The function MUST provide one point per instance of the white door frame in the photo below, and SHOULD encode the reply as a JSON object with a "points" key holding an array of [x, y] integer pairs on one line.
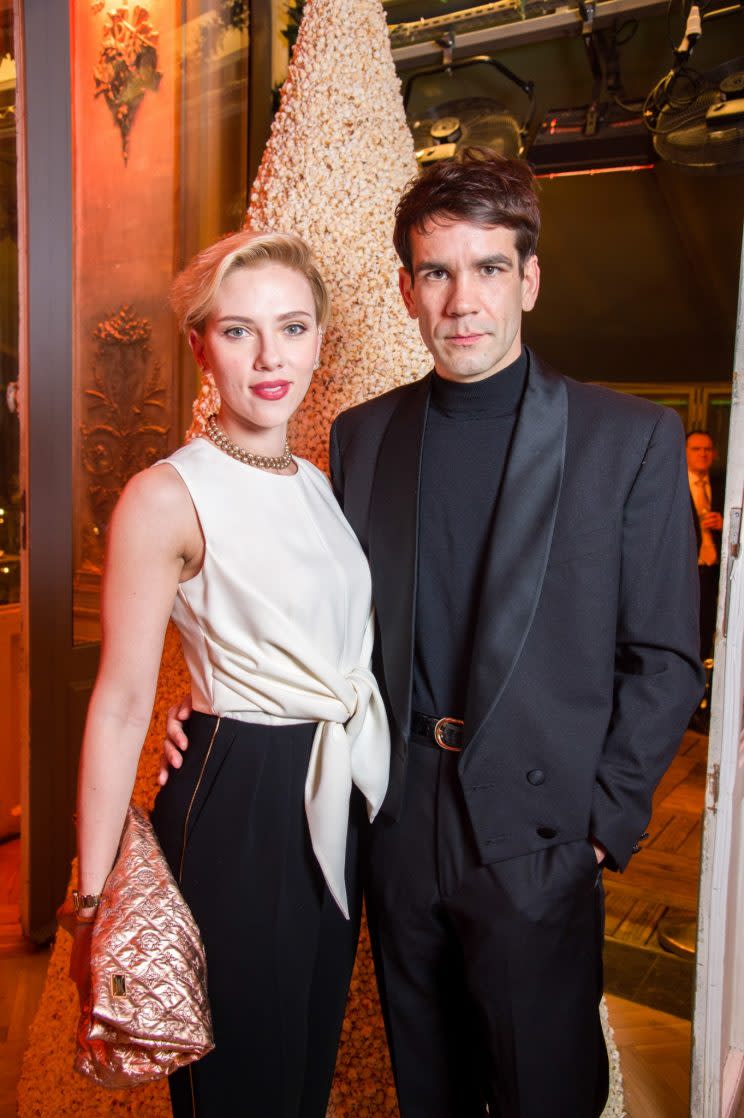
{"points": [[718, 1025]]}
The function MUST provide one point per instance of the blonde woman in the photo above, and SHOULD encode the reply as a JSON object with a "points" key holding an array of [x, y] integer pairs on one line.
{"points": [[244, 546]]}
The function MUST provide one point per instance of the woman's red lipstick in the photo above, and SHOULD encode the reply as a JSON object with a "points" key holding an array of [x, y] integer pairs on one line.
{"points": [[271, 389]]}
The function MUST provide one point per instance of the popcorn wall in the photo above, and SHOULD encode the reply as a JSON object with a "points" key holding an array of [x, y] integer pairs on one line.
{"points": [[335, 165]]}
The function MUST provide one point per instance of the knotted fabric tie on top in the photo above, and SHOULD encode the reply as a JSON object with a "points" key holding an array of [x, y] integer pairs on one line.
{"points": [[353, 750], [278, 628]]}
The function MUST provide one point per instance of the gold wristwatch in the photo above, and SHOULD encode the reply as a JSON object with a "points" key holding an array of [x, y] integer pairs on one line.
{"points": [[82, 901]]}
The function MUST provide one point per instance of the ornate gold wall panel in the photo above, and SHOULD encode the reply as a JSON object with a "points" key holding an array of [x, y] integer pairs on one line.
{"points": [[124, 430], [160, 103], [125, 99], [127, 63]]}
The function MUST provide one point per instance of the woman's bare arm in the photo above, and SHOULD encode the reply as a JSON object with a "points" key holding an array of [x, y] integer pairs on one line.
{"points": [[154, 540]]}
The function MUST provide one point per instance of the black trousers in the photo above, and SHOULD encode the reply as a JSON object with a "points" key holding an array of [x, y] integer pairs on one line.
{"points": [[232, 825], [490, 976], [708, 607]]}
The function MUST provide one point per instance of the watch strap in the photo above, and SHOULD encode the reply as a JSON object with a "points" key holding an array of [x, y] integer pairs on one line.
{"points": [[82, 901]]}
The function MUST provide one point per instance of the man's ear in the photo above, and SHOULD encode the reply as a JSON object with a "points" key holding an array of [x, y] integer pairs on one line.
{"points": [[405, 283], [530, 282], [196, 341]]}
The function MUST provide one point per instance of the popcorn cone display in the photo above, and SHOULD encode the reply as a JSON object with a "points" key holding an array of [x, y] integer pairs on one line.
{"points": [[339, 155], [338, 158]]}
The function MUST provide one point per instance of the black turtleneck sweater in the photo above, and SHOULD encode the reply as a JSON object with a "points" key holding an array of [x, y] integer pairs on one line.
{"points": [[468, 431]]}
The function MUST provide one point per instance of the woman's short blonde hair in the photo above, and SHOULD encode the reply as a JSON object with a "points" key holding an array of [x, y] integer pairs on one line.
{"points": [[195, 288]]}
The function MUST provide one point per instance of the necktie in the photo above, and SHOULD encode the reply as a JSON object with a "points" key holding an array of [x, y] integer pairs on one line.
{"points": [[708, 554]]}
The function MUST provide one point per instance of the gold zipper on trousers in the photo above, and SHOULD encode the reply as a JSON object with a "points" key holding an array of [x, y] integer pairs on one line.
{"points": [[193, 797], [180, 866]]}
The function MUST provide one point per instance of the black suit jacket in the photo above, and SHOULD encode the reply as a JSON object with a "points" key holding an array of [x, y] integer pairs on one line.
{"points": [[585, 668]]}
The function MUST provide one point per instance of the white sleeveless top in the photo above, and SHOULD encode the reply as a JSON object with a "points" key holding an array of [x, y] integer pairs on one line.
{"points": [[277, 628]]}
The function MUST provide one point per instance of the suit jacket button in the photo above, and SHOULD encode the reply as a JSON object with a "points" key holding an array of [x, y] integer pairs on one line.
{"points": [[547, 832], [536, 776]]}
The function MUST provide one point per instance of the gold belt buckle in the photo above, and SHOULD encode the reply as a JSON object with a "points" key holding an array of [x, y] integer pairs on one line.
{"points": [[438, 734]]}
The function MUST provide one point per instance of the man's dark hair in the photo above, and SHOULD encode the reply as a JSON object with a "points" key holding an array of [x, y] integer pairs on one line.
{"points": [[698, 431], [481, 187]]}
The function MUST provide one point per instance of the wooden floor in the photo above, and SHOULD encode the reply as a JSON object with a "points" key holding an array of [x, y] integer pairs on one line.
{"points": [[22, 974], [655, 1059], [665, 875], [654, 1046]]}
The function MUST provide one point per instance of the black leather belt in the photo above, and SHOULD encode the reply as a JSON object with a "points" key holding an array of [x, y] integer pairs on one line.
{"points": [[441, 733]]}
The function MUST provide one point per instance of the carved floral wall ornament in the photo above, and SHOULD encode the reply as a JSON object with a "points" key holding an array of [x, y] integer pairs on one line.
{"points": [[124, 431], [127, 64]]}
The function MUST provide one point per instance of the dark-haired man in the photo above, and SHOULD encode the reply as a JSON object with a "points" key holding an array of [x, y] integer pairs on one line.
{"points": [[533, 566]]}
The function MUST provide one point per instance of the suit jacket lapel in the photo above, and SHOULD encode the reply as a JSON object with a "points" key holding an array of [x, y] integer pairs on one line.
{"points": [[520, 543], [393, 543]]}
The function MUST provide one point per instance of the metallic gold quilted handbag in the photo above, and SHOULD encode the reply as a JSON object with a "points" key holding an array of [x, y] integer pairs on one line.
{"points": [[149, 1011]]}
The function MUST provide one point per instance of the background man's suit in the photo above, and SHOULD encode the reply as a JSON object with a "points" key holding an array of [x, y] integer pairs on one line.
{"points": [[584, 674], [709, 574]]}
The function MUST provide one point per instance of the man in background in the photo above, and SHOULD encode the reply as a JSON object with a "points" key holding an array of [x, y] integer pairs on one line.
{"points": [[706, 491]]}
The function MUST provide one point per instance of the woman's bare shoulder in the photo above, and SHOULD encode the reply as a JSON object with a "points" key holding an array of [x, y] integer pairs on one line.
{"points": [[157, 500]]}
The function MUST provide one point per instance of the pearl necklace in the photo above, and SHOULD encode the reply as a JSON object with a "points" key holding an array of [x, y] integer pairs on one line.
{"points": [[260, 461]]}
